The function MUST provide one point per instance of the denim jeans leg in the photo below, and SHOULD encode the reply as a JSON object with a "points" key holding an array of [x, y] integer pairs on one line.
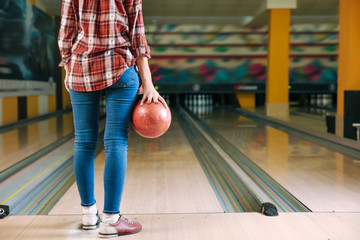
{"points": [[86, 117], [120, 99]]}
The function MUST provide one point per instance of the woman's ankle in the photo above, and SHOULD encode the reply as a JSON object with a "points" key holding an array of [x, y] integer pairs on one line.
{"points": [[89, 209], [110, 218]]}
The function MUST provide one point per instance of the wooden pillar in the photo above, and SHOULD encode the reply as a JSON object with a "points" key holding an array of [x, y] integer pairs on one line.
{"points": [[277, 83], [349, 56]]}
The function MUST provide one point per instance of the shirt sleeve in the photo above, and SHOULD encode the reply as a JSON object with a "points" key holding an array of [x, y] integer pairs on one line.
{"points": [[136, 26], [67, 31]]}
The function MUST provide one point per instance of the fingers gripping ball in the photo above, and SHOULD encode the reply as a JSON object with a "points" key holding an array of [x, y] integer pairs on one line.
{"points": [[151, 120]]}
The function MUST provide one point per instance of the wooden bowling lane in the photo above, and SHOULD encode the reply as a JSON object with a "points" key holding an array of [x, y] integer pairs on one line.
{"points": [[163, 176], [216, 226], [312, 119], [321, 178], [17, 144]]}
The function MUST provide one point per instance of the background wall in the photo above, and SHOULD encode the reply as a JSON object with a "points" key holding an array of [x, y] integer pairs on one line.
{"points": [[230, 54], [205, 54], [27, 61]]}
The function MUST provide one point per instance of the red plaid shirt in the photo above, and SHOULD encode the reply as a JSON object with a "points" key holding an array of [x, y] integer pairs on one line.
{"points": [[100, 39]]}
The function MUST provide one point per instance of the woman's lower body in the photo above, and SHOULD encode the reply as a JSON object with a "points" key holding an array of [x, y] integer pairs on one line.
{"points": [[120, 98]]}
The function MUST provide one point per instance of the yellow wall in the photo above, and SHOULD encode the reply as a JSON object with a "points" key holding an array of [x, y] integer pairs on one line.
{"points": [[52, 103], [32, 106], [349, 50], [10, 110]]}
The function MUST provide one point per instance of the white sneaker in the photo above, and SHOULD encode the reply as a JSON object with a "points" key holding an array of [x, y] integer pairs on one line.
{"points": [[90, 221]]}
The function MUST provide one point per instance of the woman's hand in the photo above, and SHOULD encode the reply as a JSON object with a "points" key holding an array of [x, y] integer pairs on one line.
{"points": [[67, 67], [150, 94]]}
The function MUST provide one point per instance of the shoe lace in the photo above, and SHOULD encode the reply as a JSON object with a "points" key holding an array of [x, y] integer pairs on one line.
{"points": [[127, 220]]}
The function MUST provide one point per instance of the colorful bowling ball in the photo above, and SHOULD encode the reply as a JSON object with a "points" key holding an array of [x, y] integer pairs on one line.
{"points": [[151, 120]]}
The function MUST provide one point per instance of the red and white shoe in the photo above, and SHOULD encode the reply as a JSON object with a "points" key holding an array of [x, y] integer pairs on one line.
{"points": [[123, 226]]}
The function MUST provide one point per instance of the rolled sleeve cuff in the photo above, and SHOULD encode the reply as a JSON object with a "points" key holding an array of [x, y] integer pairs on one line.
{"points": [[142, 51], [64, 61]]}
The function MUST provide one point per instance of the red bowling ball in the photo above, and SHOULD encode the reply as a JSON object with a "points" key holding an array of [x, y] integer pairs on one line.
{"points": [[151, 120]]}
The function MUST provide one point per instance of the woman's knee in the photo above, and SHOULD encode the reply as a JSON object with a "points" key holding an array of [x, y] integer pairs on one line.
{"points": [[85, 145], [115, 144]]}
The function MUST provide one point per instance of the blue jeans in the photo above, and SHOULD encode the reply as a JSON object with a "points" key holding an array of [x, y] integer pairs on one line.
{"points": [[120, 99]]}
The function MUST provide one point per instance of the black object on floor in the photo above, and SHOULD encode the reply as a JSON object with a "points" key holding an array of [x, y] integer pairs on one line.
{"points": [[269, 209], [351, 113], [4, 211]]}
